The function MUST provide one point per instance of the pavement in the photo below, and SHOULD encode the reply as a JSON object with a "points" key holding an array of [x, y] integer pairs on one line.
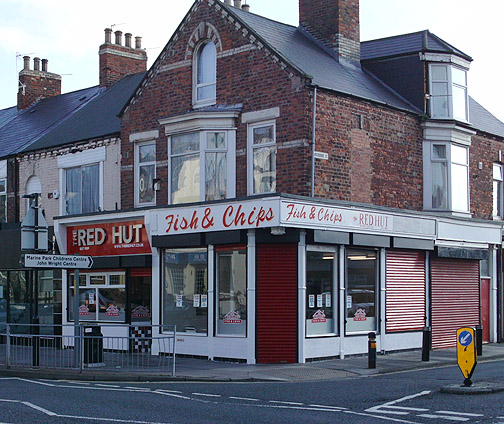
{"points": [[189, 369]]}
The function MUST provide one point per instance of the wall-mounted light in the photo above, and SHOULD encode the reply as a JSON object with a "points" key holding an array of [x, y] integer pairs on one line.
{"points": [[156, 184], [277, 231]]}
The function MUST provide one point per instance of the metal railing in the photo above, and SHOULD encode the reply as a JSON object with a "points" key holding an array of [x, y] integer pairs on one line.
{"points": [[110, 347]]}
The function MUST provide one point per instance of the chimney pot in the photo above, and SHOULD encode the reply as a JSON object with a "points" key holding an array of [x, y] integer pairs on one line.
{"points": [[138, 42], [127, 39], [26, 63], [237, 4], [108, 35], [44, 65], [227, 2], [118, 38], [246, 7], [36, 63]]}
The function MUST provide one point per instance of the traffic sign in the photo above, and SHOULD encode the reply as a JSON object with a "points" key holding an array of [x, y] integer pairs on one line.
{"points": [[466, 352], [57, 261]]}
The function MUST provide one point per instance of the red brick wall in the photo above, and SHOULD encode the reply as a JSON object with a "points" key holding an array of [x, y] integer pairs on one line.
{"points": [[113, 67], [38, 85]]}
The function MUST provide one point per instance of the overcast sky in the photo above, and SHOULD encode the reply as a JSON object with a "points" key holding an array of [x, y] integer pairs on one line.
{"points": [[68, 34]]}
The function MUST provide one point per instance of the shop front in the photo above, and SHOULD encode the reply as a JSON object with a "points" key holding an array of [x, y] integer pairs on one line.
{"points": [[117, 289]]}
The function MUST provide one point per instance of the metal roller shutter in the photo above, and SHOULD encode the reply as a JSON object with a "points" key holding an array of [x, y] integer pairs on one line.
{"points": [[454, 299], [276, 303], [405, 298]]}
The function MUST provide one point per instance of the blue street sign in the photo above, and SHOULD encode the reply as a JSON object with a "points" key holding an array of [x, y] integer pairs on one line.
{"points": [[465, 338]]}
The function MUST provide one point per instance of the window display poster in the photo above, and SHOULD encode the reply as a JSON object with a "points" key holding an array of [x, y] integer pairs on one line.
{"points": [[328, 300], [349, 302], [91, 298], [311, 301], [319, 301], [178, 301], [204, 300], [196, 300]]}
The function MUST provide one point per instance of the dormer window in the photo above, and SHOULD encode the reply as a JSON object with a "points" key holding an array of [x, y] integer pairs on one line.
{"points": [[205, 77], [448, 92]]}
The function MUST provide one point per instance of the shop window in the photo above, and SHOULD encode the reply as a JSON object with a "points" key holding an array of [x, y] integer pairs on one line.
{"points": [[498, 195], [361, 290], [262, 157], [321, 278], [447, 177], [145, 173], [448, 92], [231, 289], [102, 297], [3, 200], [199, 167], [185, 290], [205, 78]]}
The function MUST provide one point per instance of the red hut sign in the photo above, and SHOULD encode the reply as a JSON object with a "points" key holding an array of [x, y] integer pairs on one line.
{"points": [[110, 238]]}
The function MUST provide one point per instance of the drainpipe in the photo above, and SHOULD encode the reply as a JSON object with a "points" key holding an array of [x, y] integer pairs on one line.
{"points": [[313, 140]]}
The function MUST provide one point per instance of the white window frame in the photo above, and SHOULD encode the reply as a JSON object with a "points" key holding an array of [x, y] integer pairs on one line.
{"points": [[197, 103], [4, 193], [3, 176], [138, 165], [449, 95], [251, 150], [428, 160], [498, 191], [73, 160], [230, 161]]}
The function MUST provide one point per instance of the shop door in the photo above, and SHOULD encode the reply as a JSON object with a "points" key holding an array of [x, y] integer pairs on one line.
{"points": [[140, 296], [276, 316], [454, 299], [485, 309]]}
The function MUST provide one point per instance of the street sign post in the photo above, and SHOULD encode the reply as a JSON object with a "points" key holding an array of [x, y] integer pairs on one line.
{"points": [[466, 352], [56, 261]]}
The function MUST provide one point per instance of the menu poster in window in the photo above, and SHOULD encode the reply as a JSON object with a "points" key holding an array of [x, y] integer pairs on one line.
{"points": [[349, 302], [319, 301], [311, 301], [328, 300], [1, 292], [204, 300], [84, 310], [91, 298], [178, 303], [196, 301]]}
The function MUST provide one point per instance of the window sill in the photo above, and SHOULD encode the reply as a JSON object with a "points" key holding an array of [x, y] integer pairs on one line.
{"points": [[321, 336], [202, 103], [450, 213]]}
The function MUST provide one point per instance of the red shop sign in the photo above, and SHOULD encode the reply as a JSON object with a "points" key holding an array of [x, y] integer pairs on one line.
{"points": [[107, 239]]}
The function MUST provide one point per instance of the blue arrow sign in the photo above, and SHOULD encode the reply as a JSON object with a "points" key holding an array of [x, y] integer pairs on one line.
{"points": [[465, 338]]}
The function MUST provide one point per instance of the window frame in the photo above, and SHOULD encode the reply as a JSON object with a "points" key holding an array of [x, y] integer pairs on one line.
{"points": [[138, 166], [3, 199], [251, 151], [498, 192], [451, 163], [229, 150], [197, 103], [451, 83], [334, 292]]}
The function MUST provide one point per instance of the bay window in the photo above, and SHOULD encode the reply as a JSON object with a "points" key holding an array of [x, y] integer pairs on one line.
{"points": [[145, 172], [498, 194], [446, 174], [201, 166], [448, 92], [185, 290]]}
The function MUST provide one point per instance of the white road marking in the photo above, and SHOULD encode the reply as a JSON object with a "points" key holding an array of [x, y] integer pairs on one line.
{"points": [[169, 391], [286, 403], [443, 417], [39, 408], [171, 395], [460, 413], [327, 406], [379, 409], [108, 385], [206, 394], [244, 398], [405, 408]]}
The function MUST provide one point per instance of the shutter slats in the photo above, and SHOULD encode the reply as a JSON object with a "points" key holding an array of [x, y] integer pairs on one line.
{"points": [[455, 299], [405, 296]]}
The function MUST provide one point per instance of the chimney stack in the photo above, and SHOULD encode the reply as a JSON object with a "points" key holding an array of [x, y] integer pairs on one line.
{"points": [[335, 23], [36, 84], [227, 2], [246, 7], [117, 61], [237, 4]]}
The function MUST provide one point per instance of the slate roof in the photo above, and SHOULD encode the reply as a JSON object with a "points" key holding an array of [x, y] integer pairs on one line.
{"points": [[7, 115], [306, 55], [483, 120], [99, 118], [31, 124], [422, 41]]}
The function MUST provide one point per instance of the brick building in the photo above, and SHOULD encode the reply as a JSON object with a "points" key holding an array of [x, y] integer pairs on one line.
{"points": [[285, 190]]}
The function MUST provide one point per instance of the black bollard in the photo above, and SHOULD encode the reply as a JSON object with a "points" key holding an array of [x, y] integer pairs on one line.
{"points": [[371, 350], [36, 342], [426, 343]]}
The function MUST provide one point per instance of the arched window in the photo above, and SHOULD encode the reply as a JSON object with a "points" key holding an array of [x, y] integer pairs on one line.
{"points": [[206, 75]]}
